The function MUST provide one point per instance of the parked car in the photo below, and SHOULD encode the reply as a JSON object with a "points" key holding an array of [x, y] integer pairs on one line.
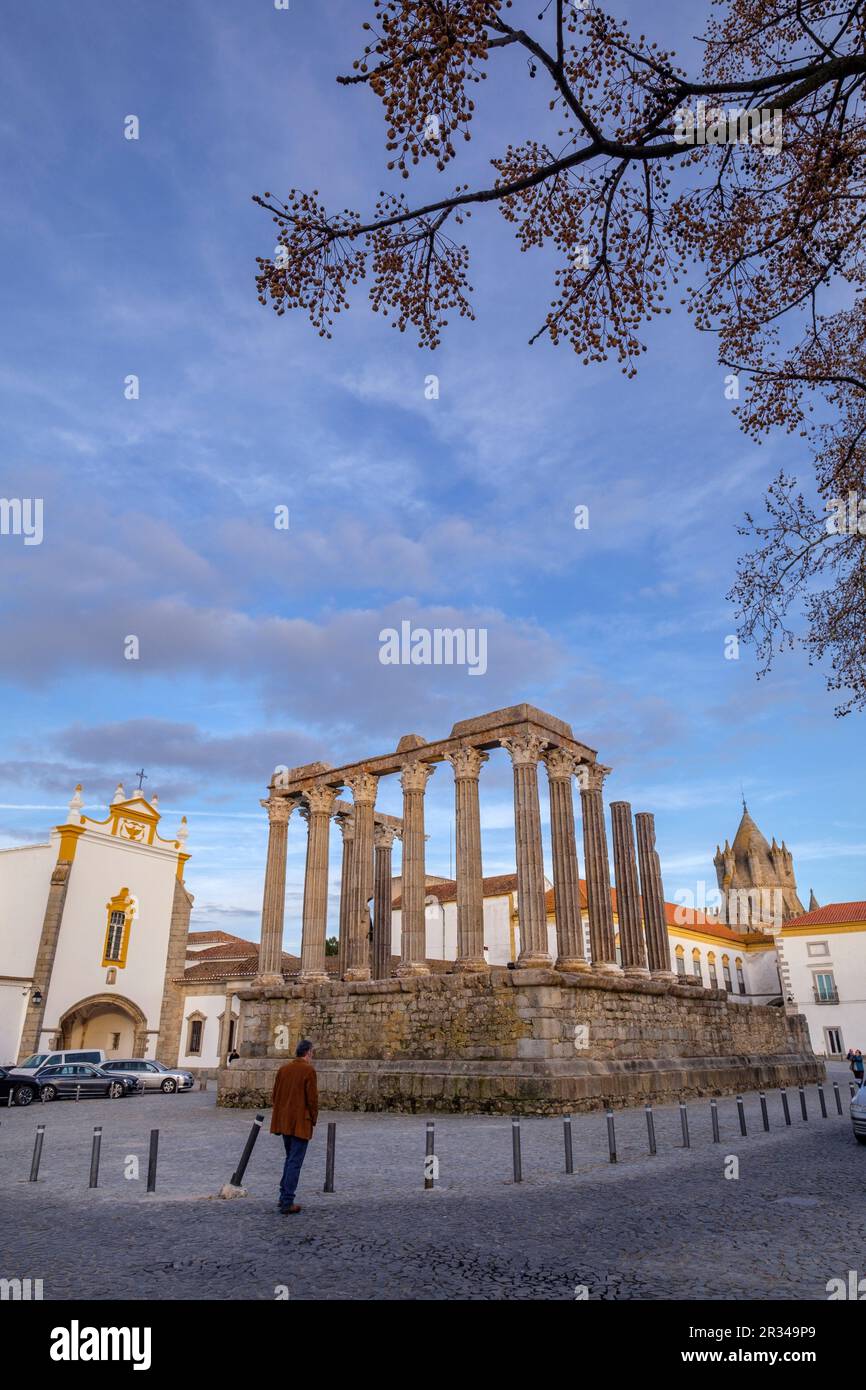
{"points": [[31, 1065], [154, 1075], [858, 1115], [22, 1088], [72, 1077]]}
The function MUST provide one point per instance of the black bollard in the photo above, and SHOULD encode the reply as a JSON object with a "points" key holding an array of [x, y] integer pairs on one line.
{"points": [[764, 1116], [803, 1111], [151, 1160], [569, 1151], [838, 1095], [714, 1116], [784, 1094], [611, 1136], [650, 1128], [330, 1152], [742, 1114], [822, 1102], [429, 1153], [94, 1155], [684, 1124], [37, 1153], [515, 1149], [238, 1175]]}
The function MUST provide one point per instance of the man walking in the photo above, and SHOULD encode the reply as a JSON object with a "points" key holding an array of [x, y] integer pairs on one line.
{"points": [[294, 1116]]}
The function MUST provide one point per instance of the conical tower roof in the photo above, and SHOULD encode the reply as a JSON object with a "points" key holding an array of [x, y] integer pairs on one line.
{"points": [[749, 839]]}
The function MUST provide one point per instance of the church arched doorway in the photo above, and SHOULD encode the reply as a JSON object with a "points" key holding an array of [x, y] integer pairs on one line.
{"points": [[106, 1021]]}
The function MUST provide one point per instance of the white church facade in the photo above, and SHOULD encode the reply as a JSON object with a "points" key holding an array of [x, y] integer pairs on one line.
{"points": [[96, 951]]}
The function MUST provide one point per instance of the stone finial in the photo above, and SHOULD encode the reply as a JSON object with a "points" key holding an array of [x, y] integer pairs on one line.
{"points": [[813, 901], [182, 831], [119, 795], [75, 806]]}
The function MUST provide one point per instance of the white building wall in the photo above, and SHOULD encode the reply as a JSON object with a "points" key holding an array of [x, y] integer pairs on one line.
{"points": [[103, 865], [845, 960], [25, 875], [211, 1006]]}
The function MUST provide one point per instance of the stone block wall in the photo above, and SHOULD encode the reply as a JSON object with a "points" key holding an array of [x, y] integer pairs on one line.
{"points": [[536, 1041]]}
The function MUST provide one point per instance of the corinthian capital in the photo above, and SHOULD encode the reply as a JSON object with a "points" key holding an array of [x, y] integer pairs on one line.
{"points": [[561, 764], [278, 809], [363, 786], [591, 777], [524, 749], [466, 760], [346, 821], [415, 776], [384, 836], [321, 799]]}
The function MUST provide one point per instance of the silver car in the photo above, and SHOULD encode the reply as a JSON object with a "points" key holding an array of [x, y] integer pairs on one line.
{"points": [[858, 1115], [154, 1076]]}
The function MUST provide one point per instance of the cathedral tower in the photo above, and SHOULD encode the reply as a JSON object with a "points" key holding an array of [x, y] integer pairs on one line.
{"points": [[756, 879]]}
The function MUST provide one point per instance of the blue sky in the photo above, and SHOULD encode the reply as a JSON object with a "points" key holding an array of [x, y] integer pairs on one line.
{"points": [[260, 646]]}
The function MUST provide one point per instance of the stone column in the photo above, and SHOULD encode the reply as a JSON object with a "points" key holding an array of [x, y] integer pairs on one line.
{"points": [[274, 901], [413, 936], [320, 804], [466, 762], [346, 822], [561, 766], [628, 907], [601, 935], [652, 891], [356, 960], [525, 750], [383, 841]]}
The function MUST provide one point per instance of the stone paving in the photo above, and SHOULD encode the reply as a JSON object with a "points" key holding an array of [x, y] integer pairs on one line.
{"points": [[669, 1226]]}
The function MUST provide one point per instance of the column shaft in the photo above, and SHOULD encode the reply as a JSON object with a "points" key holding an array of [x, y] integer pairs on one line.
{"points": [[525, 750], [628, 906], [601, 934], [382, 886], [467, 762], [413, 933], [356, 961], [347, 826], [274, 900], [652, 891], [320, 803], [570, 952]]}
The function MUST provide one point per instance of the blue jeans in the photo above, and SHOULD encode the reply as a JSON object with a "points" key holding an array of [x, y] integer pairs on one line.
{"points": [[296, 1151]]}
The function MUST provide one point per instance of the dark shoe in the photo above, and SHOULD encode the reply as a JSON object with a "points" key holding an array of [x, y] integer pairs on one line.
{"points": [[289, 1211]]}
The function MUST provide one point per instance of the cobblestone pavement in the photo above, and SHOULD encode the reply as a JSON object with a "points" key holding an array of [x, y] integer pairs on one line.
{"points": [[669, 1226]]}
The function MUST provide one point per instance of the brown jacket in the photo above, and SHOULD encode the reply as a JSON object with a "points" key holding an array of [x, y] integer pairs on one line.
{"points": [[296, 1099]]}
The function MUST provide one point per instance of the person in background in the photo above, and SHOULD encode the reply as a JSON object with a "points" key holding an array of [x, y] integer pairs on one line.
{"points": [[294, 1115], [857, 1066]]}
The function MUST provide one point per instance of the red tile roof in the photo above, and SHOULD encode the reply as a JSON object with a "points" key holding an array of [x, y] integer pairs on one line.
{"points": [[828, 916], [200, 937]]}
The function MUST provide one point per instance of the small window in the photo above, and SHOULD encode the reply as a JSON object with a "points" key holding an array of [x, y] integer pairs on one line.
{"points": [[741, 981], [817, 948], [726, 972], [114, 940], [714, 979], [195, 1032], [115, 1041], [833, 1042]]}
